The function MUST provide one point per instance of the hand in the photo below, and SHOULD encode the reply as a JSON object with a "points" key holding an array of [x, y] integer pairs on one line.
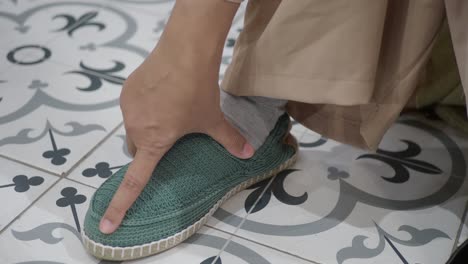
{"points": [[162, 101]]}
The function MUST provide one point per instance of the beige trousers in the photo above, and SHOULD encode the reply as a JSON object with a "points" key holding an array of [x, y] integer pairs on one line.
{"points": [[347, 67]]}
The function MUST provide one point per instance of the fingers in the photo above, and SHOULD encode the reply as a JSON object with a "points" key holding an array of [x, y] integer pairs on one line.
{"points": [[231, 139], [138, 174]]}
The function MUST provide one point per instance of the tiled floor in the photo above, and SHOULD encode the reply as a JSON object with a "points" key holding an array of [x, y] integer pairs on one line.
{"points": [[61, 67]]}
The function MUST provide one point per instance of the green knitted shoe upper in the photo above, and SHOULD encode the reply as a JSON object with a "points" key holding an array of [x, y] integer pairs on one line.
{"points": [[193, 175]]}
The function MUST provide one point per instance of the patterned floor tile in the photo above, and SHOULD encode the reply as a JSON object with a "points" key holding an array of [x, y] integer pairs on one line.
{"points": [[19, 37], [104, 161], [47, 117], [204, 247], [20, 186], [249, 196], [126, 37], [238, 207], [20, 19], [62, 64], [343, 205], [49, 230], [254, 253], [46, 107], [112, 41], [107, 40]]}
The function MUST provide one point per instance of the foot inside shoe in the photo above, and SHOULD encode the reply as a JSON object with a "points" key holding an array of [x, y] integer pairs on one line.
{"points": [[191, 181], [253, 116]]}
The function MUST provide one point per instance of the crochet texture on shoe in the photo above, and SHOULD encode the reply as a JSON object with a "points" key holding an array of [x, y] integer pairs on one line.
{"points": [[188, 181]]}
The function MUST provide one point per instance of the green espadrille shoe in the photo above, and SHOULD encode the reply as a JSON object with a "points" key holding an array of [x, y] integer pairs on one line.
{"points": [[190, 182]]}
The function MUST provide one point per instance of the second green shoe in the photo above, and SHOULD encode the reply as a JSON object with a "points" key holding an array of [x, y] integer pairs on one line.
{"points": [[190, 182]]}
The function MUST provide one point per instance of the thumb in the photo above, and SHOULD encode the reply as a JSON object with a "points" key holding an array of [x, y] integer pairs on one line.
{"points": [[228, 136]]}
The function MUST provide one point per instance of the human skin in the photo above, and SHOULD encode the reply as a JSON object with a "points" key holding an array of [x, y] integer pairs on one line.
{"points": [[175, 92]]}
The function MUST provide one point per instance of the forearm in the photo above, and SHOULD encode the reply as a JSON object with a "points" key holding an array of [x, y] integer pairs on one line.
{"points": [[196, 32]]}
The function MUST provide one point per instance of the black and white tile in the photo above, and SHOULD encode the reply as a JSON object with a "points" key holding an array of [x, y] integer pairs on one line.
{"points": [[50, 230], [62, 65], [20, 186], [48, 121], [104, 161], [403, 204]]}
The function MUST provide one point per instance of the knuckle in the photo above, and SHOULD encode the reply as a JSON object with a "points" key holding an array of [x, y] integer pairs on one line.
{"points": [[132, 182], [150, 153]]}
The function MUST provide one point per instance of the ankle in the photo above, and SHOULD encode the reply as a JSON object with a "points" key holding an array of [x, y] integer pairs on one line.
{"points": [[254, 117]]}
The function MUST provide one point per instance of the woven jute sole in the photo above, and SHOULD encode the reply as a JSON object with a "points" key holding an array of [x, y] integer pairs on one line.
{"points": [[127, 253]]}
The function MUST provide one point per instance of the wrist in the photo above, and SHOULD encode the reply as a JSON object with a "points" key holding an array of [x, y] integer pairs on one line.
{"points": [[196, 32]]}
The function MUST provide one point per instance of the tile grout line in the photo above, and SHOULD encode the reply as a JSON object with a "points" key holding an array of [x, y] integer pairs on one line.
{"points": [[265, 245], [60, 176], [460, 228], [248, 213], [84, 184], [91, 151], [48, 41], [40, 196], [242, 222], [101, 4], [65, 174], [31, 166], [30, 205]]}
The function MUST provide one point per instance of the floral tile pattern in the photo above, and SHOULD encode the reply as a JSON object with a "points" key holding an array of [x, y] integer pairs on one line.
{"points": [[104, 161], [48, 122], [62, 65], [20, 184], [50, 230], [402, 204]]}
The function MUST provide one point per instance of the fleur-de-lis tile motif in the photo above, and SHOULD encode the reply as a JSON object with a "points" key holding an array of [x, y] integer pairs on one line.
{"points": [[101, 169], [402, 161], [71, 198], [56, 155], [74, 24], [22, 183], [96, 76], [210, 260], [335, 174], [277, 189]]}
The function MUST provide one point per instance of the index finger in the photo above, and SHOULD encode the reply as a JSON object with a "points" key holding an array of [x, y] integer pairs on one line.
{"points": [[137, 176]]}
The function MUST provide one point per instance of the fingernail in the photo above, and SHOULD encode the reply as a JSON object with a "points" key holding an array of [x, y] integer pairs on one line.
{"points": [[247, 151], [106, 226]]}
